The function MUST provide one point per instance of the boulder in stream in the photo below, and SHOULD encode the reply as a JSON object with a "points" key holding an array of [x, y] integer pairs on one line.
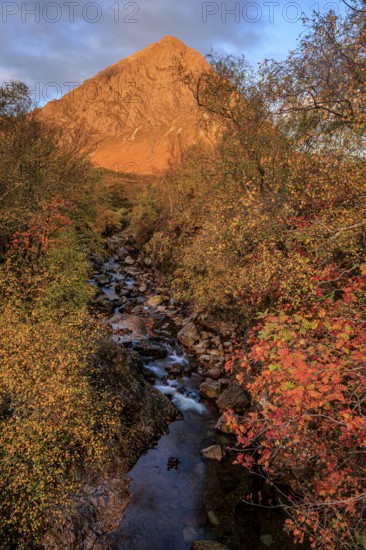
{"points": [[215, 373], [175, 370], [130, 328], [122, 253], [201, 347], [148, 348], [188, 335], [173, 463], [214, 452], [234, 397], [129, 260], [102, 279], [210, 389]]}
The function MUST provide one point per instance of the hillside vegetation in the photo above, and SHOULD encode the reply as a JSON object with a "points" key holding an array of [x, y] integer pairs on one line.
{"points": [[268, 227], [57, 416]]}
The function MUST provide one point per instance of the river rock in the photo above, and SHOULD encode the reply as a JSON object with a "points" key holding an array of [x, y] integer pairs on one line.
{"points": [[175, 369], [188, 335], [172, 312], [102, 280], [208, 545], [124, 291], [207, 358], [215, 373], [129, 260], [149, 376], [115, 318], [234, 397], [122, 253], [216, 341], [214, 452], [103, 303], [173, 463], [210, 389], [147, 348], [137, 310], [154, 301], [101, 298], [143, 288], [130, 328], [221, 425], [216, 352], [201, 347]]}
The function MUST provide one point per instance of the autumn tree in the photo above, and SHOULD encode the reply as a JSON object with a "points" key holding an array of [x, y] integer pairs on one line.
{"points": [[325, 77], [14, 99]]}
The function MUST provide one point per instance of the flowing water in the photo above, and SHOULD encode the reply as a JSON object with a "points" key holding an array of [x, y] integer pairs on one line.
{"points": [[178, 497], [167, 508]]}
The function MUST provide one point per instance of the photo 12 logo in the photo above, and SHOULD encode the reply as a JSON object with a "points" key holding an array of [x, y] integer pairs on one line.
{"points": [[53, 12], [253, 12], [123, 91]]}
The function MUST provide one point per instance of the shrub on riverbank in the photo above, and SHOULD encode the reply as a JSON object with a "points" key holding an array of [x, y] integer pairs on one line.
{"points": [[58, 418], [305, 376]]}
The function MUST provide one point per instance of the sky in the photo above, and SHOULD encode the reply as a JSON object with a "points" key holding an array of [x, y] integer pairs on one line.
{"points": [[53, 46]]}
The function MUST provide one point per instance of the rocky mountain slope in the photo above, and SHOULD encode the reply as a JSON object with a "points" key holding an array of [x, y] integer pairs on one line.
{"points": [[137, 115]]}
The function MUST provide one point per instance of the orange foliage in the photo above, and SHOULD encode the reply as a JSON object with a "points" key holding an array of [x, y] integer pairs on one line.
{"points": [[306, 375]]}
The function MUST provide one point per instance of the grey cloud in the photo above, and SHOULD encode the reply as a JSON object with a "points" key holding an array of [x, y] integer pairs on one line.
{"points": [[67, 51]]}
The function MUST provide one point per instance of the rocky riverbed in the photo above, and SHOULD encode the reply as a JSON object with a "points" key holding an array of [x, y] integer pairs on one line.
{"points": [[143, 315]]}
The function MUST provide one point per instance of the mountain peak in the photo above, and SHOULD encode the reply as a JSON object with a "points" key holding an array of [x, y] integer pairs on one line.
{"points": [[137, 111], [171, 39]]}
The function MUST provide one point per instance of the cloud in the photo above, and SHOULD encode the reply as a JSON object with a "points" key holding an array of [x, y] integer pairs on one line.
{"points": [[69, 41]]}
